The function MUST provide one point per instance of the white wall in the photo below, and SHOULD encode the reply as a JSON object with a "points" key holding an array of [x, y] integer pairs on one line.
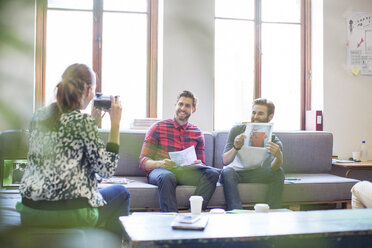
{"points": [[188, 55], [347, 98]]}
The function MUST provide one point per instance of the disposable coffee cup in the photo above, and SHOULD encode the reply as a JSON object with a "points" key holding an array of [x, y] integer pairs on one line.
{"points": [[196, 202], [356, 156], [261, 207]]}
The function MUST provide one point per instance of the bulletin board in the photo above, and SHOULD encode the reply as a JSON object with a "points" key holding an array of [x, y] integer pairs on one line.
{"points": [[359, 30]]}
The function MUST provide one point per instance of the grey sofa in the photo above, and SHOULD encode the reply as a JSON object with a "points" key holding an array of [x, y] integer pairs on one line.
{"points": [[307, 158]]}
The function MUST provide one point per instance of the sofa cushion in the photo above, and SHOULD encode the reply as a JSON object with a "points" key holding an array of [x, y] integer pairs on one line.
{"points": [[312, 187], [131, 142], [315, 187], [306, 152], [13, 144], [220, 142], [209, 148]]}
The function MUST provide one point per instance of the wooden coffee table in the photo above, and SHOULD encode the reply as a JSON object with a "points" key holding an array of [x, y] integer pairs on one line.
{"points": [[336, 228], [354, 166]]}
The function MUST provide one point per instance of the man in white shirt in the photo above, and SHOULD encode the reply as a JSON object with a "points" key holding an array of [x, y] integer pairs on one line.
{"points": [[268, 171]]}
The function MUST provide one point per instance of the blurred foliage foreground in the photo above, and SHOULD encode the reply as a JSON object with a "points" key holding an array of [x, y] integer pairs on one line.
{"points": [[17, 29]]}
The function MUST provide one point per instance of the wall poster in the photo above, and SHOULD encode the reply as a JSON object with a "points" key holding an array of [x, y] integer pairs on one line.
{"points": [[359, 54]]}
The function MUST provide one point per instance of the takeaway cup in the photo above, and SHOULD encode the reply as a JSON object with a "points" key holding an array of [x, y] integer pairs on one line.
{"points": [[196, 204], [261, 207]]}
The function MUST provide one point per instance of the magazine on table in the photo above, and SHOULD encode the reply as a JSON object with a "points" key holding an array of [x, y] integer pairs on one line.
{"points": [[258, 134], [254, 151]]}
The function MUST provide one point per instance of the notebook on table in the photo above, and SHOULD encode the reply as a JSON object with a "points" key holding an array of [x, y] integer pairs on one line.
{"points": [[190, 222]]}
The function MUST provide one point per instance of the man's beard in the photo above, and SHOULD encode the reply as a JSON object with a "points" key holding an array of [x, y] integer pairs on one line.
{"points": [[260, 121], [185, 118]]}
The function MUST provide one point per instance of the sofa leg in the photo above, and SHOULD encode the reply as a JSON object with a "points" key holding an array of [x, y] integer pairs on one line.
{"points": [[295, 207], [346, 204]]}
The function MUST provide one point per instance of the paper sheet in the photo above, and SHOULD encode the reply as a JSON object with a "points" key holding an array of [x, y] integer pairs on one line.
{"points": [[184, 157], [359, 49], [251, 157]]}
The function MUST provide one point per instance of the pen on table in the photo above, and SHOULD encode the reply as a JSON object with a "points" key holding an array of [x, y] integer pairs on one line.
{"points": [[293, 179]]}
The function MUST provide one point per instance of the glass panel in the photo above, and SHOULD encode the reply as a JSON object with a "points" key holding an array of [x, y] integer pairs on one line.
{"points": [[281, 11], [234, 72], [235, 9], [69, 40], [71, 4], [125, 5], [281, 73], [124, 63]]}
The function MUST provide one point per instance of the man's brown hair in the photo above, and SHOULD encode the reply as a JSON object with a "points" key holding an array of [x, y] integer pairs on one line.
{"points": [[269, 104], [188, 94]]}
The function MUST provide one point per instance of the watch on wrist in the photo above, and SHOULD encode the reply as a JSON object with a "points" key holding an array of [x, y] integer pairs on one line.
{"points": [[236, 147]]}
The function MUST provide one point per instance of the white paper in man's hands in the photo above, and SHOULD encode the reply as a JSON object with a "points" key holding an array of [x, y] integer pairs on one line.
{"points": [[184, 157], [251, 157]]}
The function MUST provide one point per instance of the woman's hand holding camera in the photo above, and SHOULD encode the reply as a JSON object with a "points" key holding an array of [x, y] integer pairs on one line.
{"points": [[115, 111], [115, 116]]}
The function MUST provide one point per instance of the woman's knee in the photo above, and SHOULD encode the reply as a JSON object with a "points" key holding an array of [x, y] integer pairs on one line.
{"points": [[119, 191], [125, 192], [124, 198]]}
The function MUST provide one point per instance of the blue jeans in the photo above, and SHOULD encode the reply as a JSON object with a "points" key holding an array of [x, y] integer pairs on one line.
{"points": [[230, 179], [203, 177], [117, 199]]}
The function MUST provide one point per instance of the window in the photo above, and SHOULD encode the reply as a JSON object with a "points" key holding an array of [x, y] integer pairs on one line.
{"points": [[117, 38], [261, 50]]}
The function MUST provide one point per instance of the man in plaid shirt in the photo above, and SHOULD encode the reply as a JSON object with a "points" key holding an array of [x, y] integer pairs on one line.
{"points": [[174, 135]]}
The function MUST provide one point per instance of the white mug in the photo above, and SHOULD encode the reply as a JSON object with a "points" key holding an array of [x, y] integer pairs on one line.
{"points": [[356, 156]]}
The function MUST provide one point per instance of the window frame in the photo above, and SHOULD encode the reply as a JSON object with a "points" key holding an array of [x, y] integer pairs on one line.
{"points": [[152, 52], [305, 81]]}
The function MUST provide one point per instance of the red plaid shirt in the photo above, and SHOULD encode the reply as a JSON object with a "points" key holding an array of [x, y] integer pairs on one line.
{"points": [[168, 136]]}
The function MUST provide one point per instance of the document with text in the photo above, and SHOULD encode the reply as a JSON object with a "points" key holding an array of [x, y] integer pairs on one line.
{"points": [[184, 157]]}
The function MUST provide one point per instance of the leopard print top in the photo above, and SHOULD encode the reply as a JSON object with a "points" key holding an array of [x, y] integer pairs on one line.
{"points": [[62, 163]]}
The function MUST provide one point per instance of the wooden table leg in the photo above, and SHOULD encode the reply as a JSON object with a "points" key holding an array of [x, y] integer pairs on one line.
{"points": [[347, 173]]}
